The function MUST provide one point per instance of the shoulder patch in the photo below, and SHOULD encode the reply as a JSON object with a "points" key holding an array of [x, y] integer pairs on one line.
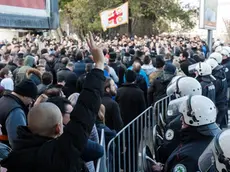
{"points": [[169, 135], [179, 168]]}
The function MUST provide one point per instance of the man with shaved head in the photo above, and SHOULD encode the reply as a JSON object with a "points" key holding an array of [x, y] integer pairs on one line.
{"points": [[43, 146]]}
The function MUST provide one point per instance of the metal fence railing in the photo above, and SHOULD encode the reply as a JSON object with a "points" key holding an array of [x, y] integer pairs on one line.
{"points": [[124, 152], [101, 163]]}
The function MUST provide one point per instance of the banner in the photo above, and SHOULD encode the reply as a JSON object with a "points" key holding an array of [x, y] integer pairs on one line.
{"points": [[208, 14], [115, 17], [36, 4]]}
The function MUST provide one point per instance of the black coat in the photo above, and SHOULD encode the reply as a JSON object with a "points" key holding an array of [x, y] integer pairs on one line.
{"points": [[70, 81], [80, 82], [131, 101], [186, 155], [185, 64], [36, 153], [120, 71], [158, 88], [226, 64], [208, 88], [112, 113]]}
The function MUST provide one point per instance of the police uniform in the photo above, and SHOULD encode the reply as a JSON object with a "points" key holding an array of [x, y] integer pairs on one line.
{"points": [[208, 88], [221, 87], [171, 139], [185, 157]]}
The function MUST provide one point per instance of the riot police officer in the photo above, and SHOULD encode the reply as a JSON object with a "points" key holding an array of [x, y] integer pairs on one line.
{"points": [[198, 130], [180, 86], [221, 87], [216, 157], [204, 76]]}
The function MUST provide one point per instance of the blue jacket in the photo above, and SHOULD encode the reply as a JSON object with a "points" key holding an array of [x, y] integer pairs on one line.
{"points": [[142, 72], [79, 68]]}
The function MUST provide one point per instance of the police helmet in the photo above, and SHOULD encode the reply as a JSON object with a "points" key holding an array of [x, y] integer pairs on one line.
{"points": [[203, 69], [198, 111], [216, 56], [213, 63], [225, 52], [216, 156], [182, 86]]}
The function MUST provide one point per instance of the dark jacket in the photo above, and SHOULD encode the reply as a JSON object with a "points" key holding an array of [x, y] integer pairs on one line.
{"points": [[11, 66], [50, 68], [34, 75], [186, 155], [112, 113], [37, 153], [120, 71], [208, 88], [79, 68], [171, 139], [158, 88], [185, 64], [13, 113], [226, 64], [80, 82], [221, 87], [131, 101], [70, 81], [141, 83]]}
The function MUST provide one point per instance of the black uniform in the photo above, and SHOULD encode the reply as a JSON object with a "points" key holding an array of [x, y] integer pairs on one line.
{"points": [[221, 87], [226, 64], [171, 139], [208, 88], [185, 157]]}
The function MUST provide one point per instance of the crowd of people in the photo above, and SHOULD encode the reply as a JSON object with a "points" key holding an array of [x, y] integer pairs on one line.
{"points": [[57, 96]]}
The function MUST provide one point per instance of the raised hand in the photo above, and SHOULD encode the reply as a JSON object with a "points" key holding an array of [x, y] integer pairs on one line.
{"points": [[97, 53]]}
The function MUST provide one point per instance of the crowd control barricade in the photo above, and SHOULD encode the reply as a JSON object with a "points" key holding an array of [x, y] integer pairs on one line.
{"points": [[125, 151], [160, 111], [101, 163]]}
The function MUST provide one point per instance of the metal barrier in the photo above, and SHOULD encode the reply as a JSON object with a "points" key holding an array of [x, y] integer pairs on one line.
{"points": [[160, 111], [101, 163], [125, 151]]}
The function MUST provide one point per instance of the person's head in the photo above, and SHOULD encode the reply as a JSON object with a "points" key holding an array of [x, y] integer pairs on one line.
{"points": [[147, 60], [216, 56], [213, 63], [41, 69], [181, 86], [110, 87], [45, 120], [20, 62], [112, 57], [88, 67], [225, 53], [65, 61], [50, 58], [47, 78], [197, 111], [6, 58], [70, 66], [160, 62], [130, 76], [61, 80], [65, 107], [29, 61], [79, 56], [203, 69], [26, 91], [5, 73], [217, 154], [184, 55], [136, 67], [42, 62]]}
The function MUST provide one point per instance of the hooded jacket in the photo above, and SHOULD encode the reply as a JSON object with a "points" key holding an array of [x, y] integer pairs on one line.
{"points": [[28, 64], [157, 90], [36, 153], [34, 75]]}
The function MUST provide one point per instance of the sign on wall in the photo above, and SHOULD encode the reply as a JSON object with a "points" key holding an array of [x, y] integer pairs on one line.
{"points": [[208, 14], [29, 14]]}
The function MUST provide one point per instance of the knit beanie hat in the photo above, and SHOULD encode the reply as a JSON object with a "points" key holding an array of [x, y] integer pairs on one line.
{"points": [[26, 88], [130, 76]]}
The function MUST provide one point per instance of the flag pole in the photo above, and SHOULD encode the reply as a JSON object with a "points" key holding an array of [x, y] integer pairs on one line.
{"points": [[130, 20]]}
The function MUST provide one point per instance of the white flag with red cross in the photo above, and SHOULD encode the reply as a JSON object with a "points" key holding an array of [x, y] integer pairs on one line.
{"points": [[115, 17]]}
